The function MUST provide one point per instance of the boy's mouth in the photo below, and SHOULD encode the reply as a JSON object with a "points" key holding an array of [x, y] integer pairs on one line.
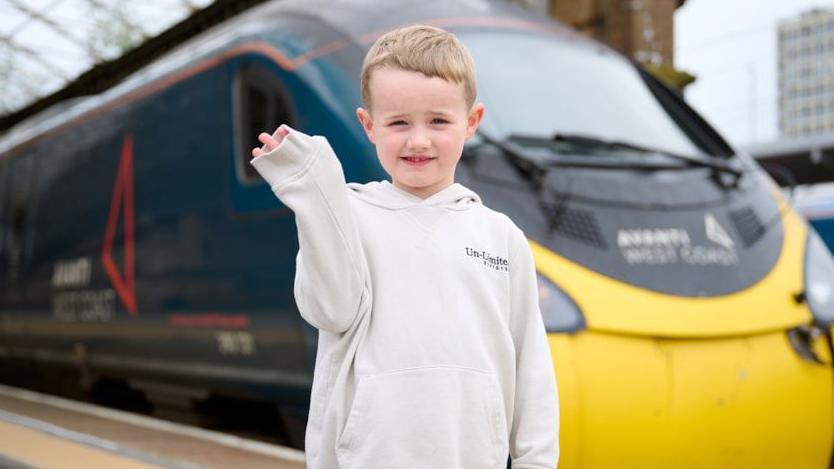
{"points": [[416, 159]]}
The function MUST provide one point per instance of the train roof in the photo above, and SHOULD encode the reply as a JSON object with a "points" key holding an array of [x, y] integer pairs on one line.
{"points": [[357, 18], [355, 22]]}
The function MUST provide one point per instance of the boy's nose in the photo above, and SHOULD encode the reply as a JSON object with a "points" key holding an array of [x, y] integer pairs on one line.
{"points": [[418, 139]]}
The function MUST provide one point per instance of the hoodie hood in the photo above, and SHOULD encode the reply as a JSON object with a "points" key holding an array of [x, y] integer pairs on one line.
{"points": [[386, 195]]}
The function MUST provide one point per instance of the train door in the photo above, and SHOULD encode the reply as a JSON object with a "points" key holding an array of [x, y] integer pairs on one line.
{"points": [[16, 237], [5, 224], [262, 99], [261, 102]]}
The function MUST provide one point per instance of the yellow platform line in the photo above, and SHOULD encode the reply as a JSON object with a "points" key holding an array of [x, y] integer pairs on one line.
{"points": [[42, 450], [280, 453]]}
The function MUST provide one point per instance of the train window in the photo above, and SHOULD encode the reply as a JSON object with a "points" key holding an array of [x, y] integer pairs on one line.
{"points": [[261, 104]]}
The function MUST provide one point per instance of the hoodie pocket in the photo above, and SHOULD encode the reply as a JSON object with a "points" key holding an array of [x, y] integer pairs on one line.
{"points": [[425, 418]]}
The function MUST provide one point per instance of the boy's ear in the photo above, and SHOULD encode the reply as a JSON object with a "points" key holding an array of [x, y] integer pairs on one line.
{"points": [[474, 119], [367, 122]]}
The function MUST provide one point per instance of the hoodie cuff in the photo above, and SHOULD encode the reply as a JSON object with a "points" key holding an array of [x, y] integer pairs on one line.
{"points": [[289, 161]]}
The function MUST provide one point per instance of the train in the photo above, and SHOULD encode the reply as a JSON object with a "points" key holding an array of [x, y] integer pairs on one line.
{"points": [[688, 306]]}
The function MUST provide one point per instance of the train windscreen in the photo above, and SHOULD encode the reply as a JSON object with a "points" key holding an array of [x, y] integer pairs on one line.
{"points": [[569, 89]]}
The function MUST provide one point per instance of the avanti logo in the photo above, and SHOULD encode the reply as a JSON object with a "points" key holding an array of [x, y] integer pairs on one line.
{"points": [[653, 246], [716, 233], [122, 201]]}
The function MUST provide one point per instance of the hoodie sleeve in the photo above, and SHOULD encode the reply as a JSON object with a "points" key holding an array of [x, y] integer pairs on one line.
{"points": [[331, 280], [534, 436]]}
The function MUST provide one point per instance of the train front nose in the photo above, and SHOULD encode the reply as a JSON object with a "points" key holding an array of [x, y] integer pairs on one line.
{"points": [[735, 402]]}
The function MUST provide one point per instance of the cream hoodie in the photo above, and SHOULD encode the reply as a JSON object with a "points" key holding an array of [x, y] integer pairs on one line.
{"points": [[432, 352]]}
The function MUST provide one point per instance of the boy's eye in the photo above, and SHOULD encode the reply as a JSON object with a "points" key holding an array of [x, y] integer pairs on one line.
{"points": [[399, 122], [438, 120]]}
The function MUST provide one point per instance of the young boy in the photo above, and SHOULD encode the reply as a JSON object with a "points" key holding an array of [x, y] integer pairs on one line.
{"points": [[432, 352]]}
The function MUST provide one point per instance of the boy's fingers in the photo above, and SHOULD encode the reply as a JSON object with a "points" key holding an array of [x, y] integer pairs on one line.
{"points": [[267, 140], [270, 142]]}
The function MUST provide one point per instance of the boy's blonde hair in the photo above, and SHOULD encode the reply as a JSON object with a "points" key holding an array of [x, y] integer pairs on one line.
{"points": [[431, 51]]}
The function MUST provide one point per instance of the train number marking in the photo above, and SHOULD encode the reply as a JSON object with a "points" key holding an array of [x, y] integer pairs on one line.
{"points": [[235, 343], [84, 306]]}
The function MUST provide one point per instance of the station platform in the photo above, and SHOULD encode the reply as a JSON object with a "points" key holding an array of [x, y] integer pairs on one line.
{"points": [[42, 431]]}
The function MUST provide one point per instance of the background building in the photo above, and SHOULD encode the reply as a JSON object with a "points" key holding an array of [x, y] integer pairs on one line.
{"points": [[640, 29], [806, 74]]}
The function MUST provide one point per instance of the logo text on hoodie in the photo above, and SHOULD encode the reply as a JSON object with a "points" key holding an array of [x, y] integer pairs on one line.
{"points": [[493, 262]]}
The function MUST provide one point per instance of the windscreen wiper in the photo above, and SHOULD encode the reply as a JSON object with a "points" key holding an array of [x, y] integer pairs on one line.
{"points": [[588, 141], [537, 165], [553, 208]]}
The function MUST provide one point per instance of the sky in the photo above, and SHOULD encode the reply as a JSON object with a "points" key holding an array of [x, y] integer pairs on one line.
{"points": [[731, 47]]}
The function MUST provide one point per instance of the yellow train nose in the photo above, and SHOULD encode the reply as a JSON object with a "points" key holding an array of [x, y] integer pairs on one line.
{"points": [[734, 402]]}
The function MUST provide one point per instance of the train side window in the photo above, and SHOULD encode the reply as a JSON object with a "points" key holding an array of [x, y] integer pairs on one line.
{"points": [[261, 104]]}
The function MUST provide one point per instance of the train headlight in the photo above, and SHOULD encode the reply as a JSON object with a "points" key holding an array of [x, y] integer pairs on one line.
{"points": [[560, 312], [819, 279]]}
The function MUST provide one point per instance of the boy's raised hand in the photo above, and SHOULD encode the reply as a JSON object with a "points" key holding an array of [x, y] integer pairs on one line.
{"points": [[270, 142]]}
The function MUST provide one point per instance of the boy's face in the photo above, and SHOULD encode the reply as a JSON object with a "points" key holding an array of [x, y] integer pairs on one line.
{"points": [[419, 125]]}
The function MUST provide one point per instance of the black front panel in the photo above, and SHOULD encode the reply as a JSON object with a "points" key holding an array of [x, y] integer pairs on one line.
{"points": [[677, 231]]}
